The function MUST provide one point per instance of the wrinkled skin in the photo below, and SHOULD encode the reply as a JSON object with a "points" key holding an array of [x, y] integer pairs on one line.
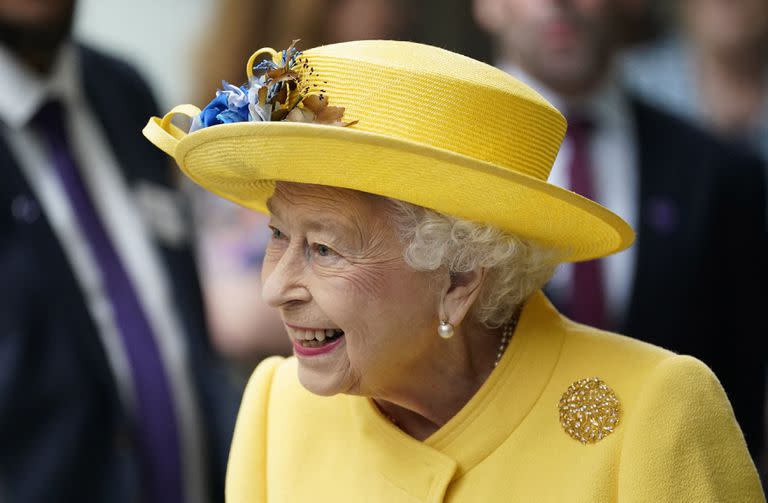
{"points": [[335, 262]]}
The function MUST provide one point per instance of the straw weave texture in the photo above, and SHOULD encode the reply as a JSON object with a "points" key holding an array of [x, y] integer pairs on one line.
{"points": [[435, 129], [440, 98]]}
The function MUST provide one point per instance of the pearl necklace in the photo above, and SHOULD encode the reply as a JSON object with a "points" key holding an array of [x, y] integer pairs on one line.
{"points": [[506, 335]]}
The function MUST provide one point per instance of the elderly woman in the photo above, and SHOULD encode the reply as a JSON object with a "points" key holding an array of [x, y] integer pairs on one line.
{"points": [[412, 230]]}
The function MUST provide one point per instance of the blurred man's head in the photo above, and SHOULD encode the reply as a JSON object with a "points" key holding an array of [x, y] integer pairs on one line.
{"points": [[565, 44], [365, 19], [727, 27], [35, 29]]}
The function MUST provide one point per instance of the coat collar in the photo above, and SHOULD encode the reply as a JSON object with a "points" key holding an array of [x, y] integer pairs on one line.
{"points": [[483, 424], [23, 92]]}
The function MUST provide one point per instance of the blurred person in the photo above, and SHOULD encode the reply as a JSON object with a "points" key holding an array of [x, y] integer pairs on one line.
{"points": [[109, 389], [713, 71], [231, 245], [693, 283], [638, 21], [413, 227], [232, 240], [315, 22]]}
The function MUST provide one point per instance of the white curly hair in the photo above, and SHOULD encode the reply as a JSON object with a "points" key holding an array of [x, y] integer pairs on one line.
{"points": [[516, 267]]}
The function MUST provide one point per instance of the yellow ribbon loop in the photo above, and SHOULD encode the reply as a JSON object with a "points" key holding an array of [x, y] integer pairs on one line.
{"points": [[163, 133], [264, 50]]}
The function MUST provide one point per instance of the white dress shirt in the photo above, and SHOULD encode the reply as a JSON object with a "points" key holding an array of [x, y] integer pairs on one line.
{"points": [[22, 93], [613, 159]]}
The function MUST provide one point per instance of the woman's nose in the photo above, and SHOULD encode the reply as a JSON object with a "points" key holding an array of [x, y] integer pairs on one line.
{"points": [[282, 283]]}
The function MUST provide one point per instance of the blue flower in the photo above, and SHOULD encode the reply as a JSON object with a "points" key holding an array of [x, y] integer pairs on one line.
{"points": [[237, 115], [229, 105], [273, 92], [237, 97], [209, 114]]}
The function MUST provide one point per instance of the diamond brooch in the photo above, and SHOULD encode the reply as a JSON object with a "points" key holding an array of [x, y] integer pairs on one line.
{"points": [[589, 410]]}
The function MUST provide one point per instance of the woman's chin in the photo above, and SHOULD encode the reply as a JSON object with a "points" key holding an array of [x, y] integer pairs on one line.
{"points": [[323, 369], [321, 382]]}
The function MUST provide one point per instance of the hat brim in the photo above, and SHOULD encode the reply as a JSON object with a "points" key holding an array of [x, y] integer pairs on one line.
{"points": [[242, 161]]}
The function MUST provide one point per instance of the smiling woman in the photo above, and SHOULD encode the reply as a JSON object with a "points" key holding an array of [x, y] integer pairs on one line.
{"points": [[406, 261], [333, 255], [336, 253]]}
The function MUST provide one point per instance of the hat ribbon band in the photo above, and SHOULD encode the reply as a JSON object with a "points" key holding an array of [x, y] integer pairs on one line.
{"points": [[163, 133]]}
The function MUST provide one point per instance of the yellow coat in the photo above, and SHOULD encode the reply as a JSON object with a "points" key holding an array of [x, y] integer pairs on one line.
{"points": [[677, 439]]}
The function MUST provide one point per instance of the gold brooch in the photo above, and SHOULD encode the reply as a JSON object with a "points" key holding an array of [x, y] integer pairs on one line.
{"points": [[589, 410]]}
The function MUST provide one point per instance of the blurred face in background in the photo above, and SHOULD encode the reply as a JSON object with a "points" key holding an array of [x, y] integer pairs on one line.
{"points": [[35, 28], [638, 21], [566, 45], [35, 13], [364, 19], [726, 26]]}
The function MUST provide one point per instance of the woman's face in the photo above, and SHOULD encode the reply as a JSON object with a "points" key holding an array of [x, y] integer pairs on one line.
{"points": [[335, 270]]}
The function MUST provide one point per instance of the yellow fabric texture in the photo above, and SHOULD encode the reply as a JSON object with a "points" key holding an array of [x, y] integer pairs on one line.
{"points": [[677, 440], [434, 128]]}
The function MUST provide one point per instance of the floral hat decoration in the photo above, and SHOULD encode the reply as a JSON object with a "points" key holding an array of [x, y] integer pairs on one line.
{"points": [[399, 119], [275, 91]]}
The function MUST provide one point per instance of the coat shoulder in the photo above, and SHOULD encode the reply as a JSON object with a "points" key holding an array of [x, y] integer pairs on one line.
{"points": [[105, 67], [677, 436], [601, 349], [628, 366], [675, 138]]}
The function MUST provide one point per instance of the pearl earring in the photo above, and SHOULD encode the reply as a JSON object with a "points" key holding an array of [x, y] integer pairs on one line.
{"points": [[445, 329]]}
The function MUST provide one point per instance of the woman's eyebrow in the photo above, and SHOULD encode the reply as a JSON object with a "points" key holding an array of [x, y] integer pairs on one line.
{"points": [[343, 228], [341, 231], [329, 224], [271, 208]]}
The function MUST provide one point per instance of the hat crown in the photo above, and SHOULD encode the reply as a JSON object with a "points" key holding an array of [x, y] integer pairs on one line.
{"points": [[431, 96], [430, 127]]}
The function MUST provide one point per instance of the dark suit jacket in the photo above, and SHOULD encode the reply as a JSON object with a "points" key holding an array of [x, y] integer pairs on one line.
{"points": [[63, 431], [700, 272]]}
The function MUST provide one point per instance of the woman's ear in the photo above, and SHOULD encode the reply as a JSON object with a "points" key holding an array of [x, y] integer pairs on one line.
{"points": [[460, 294]]}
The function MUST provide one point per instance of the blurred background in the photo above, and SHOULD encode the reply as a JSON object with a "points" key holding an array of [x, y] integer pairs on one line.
{"points": [[701, 64], [185, 50]]}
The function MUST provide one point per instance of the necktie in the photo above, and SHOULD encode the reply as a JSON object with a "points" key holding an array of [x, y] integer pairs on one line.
{"points": [[587, 299], [155, 426]]}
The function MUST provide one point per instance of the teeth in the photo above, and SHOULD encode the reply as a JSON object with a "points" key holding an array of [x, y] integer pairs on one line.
{"points": [[315, 335]]}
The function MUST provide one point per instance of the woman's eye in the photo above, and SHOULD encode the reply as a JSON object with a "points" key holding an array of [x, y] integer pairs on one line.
{"points": [[276, 233], [323, 250]]}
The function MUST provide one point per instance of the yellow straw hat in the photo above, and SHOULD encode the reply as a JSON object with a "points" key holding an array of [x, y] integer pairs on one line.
{"points": [[432, 128]]}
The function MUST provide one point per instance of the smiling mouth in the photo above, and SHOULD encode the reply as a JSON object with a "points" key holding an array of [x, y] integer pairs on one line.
{"points": [[315, 338]]}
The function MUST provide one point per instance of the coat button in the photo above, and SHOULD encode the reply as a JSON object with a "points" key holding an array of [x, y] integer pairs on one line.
{"points": [[25, 209], [663, 215]]}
